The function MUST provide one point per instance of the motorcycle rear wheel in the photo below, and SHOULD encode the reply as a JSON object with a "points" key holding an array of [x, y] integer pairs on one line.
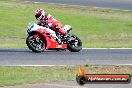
{"points": [[34, 45]]}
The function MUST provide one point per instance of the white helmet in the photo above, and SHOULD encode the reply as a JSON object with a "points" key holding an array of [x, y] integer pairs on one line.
{"points": [[39, 14]]}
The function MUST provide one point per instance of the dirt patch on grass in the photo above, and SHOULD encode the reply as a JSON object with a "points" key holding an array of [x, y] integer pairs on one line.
{"points": [[109, 69], [91, 10]]}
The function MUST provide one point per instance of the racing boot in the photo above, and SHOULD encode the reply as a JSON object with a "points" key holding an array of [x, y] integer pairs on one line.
{"points": [[67, 28]]}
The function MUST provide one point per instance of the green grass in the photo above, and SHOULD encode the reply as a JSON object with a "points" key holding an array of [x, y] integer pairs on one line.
{"points": [[23, 75], [12, 42], [10, 76], [96, 27]]}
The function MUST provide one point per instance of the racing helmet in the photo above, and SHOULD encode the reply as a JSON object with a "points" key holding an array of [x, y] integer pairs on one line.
{"points": [[39, 14]]}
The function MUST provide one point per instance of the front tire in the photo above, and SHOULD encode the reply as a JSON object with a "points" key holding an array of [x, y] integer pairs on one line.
{"points": [[35, 45], [74, 45]]}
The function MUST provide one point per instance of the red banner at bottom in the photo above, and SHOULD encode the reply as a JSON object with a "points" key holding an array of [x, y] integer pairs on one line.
{"points": [[83, 78]]}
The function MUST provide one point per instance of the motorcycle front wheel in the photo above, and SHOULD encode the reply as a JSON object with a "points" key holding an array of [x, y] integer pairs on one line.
{"points": [[35, 44], [74, 44]]}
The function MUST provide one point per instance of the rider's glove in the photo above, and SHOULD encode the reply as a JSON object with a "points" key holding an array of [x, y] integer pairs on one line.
{"points": [[50, 24], [43, 24], [56, 27]]}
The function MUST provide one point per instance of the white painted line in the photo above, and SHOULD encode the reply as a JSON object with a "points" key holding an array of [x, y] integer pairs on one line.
{"points": [[67, 86], [33, 2], [68, 65], [108, 48], [37, 2], [40, 65], [124, 64], [112, 65], [52, 3], [94, 48]]}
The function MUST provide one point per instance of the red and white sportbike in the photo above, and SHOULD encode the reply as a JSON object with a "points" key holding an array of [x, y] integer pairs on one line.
{"points": [[43, 38]]}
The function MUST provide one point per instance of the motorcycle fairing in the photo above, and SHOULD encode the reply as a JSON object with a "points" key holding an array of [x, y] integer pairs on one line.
{"points": [[47, 35]]}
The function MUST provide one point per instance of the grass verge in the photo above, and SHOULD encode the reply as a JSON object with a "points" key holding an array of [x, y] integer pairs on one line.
{"points": [[11, 76], [95, 26]]}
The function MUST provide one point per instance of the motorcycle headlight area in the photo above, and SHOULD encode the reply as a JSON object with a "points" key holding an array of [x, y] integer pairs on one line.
{"points": [[30, 28]]}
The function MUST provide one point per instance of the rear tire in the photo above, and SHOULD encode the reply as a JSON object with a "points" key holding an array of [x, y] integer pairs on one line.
{"points": [[74, 46], [34, 45]]}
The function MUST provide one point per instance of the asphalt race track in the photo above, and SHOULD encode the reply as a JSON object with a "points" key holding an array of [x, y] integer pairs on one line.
{"points": [[114, 4], [11, 57]]}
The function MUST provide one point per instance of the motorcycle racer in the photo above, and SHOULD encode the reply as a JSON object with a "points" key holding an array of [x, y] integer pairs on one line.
{"points": [[44, 18]]}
